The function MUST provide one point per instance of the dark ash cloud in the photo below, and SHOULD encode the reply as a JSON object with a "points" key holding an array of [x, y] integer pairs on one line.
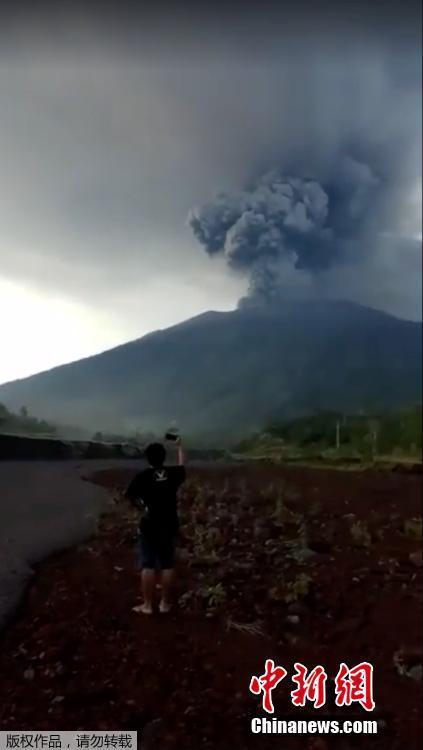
{"points": [[333, 230], [111, 131], [284, 218]]}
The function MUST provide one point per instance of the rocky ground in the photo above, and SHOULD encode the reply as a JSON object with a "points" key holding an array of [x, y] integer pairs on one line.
{"points": [[314, 566]]}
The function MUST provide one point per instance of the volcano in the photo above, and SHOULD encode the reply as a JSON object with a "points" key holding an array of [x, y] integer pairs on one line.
{"points": [[221, 375]]}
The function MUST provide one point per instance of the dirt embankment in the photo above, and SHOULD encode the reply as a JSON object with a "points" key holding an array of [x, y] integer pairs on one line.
{"points": [[20, 447], [290, 564]]}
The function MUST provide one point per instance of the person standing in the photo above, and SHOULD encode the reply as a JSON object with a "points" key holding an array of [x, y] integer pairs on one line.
{"points": [[154, 492]]}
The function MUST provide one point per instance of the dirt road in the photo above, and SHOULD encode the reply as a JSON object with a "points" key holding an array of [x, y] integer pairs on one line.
{"points": [[45, 506]]}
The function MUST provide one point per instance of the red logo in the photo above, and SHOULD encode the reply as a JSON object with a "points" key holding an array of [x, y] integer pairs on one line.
{"points": [[266, 683], [355, 685], [311, 687]]}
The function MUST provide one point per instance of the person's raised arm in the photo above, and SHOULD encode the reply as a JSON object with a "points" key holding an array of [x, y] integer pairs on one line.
{"points": [[181, 453]]}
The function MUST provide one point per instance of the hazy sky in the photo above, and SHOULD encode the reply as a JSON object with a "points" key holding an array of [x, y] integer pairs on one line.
{"points": [[113, 128]]}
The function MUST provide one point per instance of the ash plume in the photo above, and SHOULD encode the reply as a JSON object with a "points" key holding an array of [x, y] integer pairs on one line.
{"points": [[283, 223]]}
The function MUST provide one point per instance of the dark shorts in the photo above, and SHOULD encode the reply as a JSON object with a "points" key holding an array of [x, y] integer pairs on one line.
{"points": [[156, 552]]}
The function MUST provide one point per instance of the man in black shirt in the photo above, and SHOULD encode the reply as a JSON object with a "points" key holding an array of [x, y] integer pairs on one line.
{"points": [[154, 491]]}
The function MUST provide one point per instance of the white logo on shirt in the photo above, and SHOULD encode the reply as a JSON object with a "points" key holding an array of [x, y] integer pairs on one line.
{"points": [[160, 476]]}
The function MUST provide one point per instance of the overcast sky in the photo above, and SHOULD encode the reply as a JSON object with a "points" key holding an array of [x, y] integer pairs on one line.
{"points": [[112, 130]]}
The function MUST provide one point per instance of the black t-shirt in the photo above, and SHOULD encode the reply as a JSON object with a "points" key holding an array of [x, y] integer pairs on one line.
{"points": [[154, 492]]}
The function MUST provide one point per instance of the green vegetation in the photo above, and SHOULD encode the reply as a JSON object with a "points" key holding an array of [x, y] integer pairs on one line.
{"points": [[335, 435], [24, 424]]}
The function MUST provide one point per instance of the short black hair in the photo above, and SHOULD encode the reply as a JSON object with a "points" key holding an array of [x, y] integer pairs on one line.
{"points": [[155, 454]]}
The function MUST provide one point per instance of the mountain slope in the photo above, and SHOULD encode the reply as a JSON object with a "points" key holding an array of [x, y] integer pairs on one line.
{"points": [[231, 372]]}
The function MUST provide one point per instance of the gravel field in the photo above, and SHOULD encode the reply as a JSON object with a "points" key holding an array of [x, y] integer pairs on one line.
{"points": [[299, 565]]}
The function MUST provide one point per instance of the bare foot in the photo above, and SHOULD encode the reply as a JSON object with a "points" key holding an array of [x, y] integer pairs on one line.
{"points": [[164, 607], [145, 609]]}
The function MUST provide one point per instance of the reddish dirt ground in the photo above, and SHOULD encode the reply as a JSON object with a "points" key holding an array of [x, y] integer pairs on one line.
{"points": [[315, 563]]}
